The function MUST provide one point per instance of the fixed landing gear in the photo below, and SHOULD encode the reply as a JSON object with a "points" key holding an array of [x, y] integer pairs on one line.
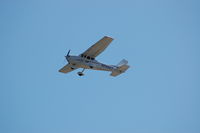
{"points": [[81, 73]]}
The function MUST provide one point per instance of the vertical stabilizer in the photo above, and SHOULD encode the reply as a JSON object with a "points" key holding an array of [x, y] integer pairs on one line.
{"points": [[122, 62]]}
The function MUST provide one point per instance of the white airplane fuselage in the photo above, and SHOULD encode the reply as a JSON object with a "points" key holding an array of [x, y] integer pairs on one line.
{"points": [[82, 62], [86, 60]]}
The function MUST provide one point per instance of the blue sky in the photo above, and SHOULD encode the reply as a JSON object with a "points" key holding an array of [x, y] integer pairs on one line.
{"points": [[158, 94]]}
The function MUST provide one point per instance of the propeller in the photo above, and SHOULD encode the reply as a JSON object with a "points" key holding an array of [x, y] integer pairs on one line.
{"points": [[67, 55], [68, 52]]}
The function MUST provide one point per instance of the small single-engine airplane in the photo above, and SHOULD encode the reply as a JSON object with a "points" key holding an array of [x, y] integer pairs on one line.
{"points": [[87, 60]]}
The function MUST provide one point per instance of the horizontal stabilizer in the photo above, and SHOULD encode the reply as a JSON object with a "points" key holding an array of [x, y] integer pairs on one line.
{"points": [[119, 70]]}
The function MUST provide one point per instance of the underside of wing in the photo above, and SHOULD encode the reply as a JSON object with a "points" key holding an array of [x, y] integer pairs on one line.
{"points": [[98, 47], [66, 69]]}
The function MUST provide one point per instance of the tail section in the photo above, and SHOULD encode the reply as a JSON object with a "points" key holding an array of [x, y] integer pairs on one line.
{"points": [[121, 68]]}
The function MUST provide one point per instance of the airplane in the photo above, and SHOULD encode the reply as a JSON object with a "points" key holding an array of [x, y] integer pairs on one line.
{"points": [[87, 60]]}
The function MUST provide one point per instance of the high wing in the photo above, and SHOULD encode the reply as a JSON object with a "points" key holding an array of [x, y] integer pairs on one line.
{"points": [[66, 69], [98, 47]]}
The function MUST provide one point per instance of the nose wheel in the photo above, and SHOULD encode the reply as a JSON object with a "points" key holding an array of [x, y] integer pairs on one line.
{"points": [[81, 73]]}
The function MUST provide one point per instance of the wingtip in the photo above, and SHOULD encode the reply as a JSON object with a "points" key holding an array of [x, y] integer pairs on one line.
{"points": [[108, 37]]}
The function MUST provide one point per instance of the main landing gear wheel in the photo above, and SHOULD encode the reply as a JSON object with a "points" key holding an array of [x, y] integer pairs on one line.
{"points": [[81, 73]]}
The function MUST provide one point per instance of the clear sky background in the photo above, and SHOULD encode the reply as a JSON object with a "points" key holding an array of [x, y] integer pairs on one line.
{"points": [[158, 94]]}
